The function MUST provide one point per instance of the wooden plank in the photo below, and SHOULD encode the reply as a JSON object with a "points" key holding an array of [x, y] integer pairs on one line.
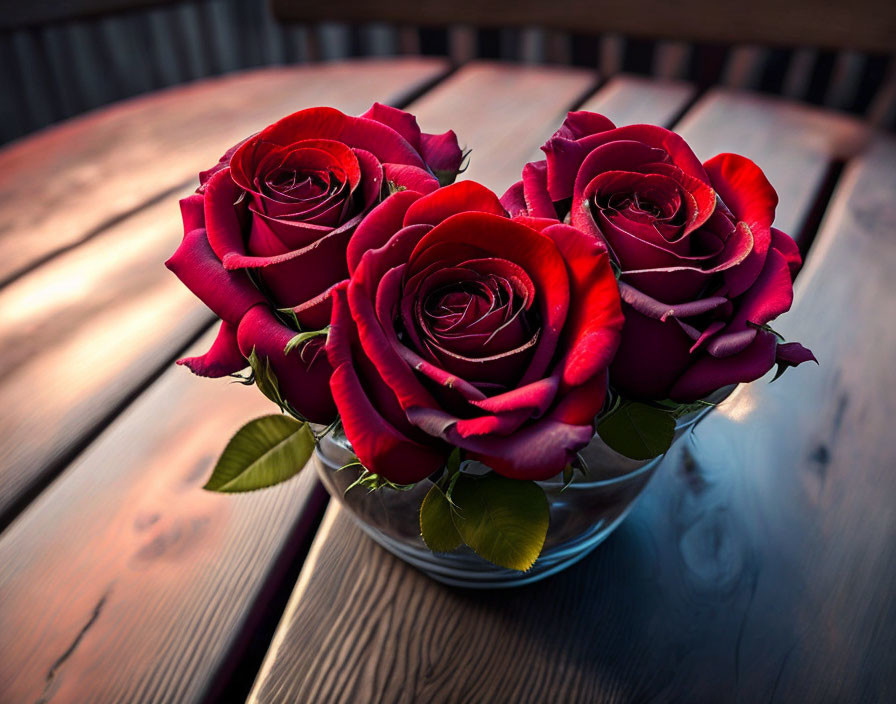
{"points": [[862, 24], [758, 566], [630, 100], [503, 112], [126, 582], [794, 144], [82, 333], [62, 186]]}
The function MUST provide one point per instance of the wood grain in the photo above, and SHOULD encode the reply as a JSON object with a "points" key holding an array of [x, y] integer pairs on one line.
{"points": [[794, 144], [125, 582], [758, 566], [503, 113], [82, 333], [860, 24], [65, 184], [630, 100]]}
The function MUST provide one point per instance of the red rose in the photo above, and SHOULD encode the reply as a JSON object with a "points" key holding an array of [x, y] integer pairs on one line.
{"points": [[702, 269], [461, 327], [284, 204]]}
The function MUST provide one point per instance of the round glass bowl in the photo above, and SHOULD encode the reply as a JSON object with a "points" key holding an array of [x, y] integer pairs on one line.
{"points": [[582, 515]]}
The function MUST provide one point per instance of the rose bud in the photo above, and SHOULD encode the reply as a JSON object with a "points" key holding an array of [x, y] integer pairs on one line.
{"points": [[461, 327], [268, 227], [701, 269]]}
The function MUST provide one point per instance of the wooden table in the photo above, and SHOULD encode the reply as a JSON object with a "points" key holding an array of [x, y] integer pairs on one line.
{"points": [[758, 566]]}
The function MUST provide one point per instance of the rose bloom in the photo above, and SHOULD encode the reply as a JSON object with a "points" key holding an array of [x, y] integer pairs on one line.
{"points": [[702, 269], [282, 205], [462, 327]]}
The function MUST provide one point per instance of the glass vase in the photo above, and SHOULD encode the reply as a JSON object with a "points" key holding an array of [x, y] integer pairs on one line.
{"points": [[582, 514]]}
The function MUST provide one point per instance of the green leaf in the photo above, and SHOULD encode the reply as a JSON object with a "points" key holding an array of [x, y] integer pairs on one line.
{"points": [[372, 482], [638, 431], [452, 464], [568, 475], [436, 526], [265, 379], [503, 520], [291, 316], [264, 452], [767, 328], [617, 270], [297, 341], [445, 177], [679, 410], [782, 367], [448, 176]]}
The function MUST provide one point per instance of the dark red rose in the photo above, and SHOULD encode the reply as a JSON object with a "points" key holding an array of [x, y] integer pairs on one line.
{"points": [[702, 269], [461, 327], [283, 205]]}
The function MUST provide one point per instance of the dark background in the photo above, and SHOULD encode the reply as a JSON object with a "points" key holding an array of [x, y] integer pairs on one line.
{"points": [[58, 62]]}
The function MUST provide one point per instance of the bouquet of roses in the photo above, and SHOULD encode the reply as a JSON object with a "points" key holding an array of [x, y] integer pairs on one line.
{"points": [[474, 342]]}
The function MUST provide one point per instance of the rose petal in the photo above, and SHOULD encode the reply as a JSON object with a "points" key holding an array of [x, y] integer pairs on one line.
{"points": [[535, 190], [379, 225], [514, 200], [192, 211], [402, 122], [536, 253], [651, 356], [307, 272], [314, 314], [411, 177], [792, 354], [380, 447], [380, 343], [770, 295], [536, 452], [442, 153], [540, 224], [581, 123], [466, 196], [581, 404], [595, 321], [788, 249], [372, 179], [269, 237], [565, 156], [327, 123], [303, 378], [225, 231], [710, 373], [229, 294], [223, 358], [658, 310], [223, 163], [750, 197], [503, 424]]}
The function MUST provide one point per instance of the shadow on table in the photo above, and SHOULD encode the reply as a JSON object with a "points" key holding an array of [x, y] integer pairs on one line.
{"points": [[666, 605]]}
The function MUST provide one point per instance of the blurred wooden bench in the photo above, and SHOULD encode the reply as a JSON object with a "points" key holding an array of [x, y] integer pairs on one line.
{"points": [[63, 58]]}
